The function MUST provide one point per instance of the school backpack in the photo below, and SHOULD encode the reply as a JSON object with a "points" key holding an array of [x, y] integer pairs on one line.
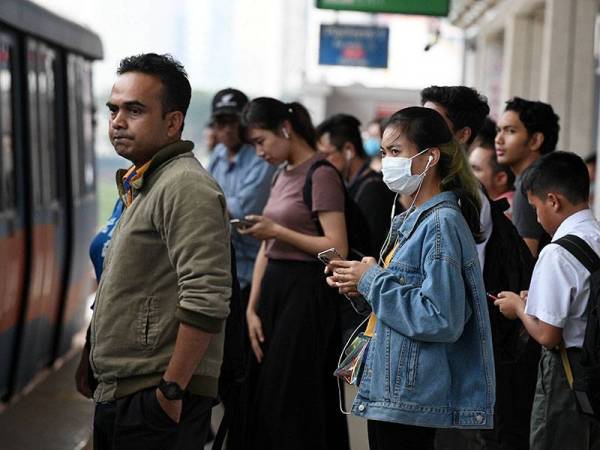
{"points": [[508, 267], [584, 378], [357, 228]]}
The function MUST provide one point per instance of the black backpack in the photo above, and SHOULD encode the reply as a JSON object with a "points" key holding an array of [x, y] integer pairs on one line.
{"points": [[359, 235], [508, 267], [351, 313], [586, 374]]}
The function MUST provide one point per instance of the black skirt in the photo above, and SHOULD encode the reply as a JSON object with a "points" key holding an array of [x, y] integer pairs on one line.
{"points": [[294, 395]]}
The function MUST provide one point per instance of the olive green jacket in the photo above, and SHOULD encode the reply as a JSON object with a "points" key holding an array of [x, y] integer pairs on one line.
{"points": [[168, 262]]}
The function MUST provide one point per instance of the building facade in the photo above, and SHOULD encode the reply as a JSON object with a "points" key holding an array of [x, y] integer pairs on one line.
{"points": [[537, 49]]}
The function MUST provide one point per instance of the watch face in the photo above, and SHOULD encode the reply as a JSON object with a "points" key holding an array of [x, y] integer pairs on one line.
{"points": [[171, 390]]}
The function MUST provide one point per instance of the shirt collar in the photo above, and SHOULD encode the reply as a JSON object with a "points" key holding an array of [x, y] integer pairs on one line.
{"points": [[571, 222], [162, 156], [129, 181]]}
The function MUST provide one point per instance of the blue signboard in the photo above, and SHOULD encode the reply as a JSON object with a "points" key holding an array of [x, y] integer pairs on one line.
{"points": [[354, 45]]}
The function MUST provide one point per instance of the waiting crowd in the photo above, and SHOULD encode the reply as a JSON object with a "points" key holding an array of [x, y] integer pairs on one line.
{"points": [[443, 263]]}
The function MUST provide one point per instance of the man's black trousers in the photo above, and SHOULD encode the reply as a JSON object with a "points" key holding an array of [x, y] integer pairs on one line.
{"points": [[139, 422]]}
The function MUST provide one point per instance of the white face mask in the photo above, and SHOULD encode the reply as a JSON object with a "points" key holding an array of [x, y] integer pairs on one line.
{"points": [[397, 174]]}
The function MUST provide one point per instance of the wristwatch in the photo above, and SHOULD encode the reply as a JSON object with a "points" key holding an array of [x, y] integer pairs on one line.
{"points": [[170, 389]]}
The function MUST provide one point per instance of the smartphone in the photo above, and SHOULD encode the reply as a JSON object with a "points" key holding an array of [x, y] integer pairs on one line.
{"points": [[240, 224], [329, 255], [491, 297]]}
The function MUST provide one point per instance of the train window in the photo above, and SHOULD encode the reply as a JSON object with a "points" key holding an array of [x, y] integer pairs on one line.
{"points": [[40, 67], [47, 120], [81, 116], [7, 154], [37, 173], [87, 101], [73, 122]]}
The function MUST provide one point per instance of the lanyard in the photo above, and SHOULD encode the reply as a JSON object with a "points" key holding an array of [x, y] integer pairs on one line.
{"points": [[372, 318]]}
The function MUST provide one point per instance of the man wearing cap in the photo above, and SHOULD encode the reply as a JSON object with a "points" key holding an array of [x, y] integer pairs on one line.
{"points": [[246, 181], [244, 177]]}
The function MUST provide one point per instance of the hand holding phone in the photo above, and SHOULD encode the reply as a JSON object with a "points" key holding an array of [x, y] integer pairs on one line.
{"points": [[493, 298], [241, 224], [329, 255]]}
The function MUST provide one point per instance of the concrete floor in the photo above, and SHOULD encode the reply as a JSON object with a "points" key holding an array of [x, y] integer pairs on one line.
{"points": [[53, 416]]}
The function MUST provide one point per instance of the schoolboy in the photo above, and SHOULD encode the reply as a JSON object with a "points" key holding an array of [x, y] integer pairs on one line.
{"points": [[554, 308]]}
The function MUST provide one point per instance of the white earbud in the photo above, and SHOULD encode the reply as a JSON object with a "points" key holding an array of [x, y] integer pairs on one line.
{"points": [[285, 133], [430, 159]]}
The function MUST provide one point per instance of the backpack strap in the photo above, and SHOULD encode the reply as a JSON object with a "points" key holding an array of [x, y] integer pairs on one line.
{"points": [[307, 190], [566, 364], [590, 260], [369, 178], [580, 250]]}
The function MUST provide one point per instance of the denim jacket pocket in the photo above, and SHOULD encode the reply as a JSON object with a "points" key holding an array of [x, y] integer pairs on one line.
{"points": [[147, 323], [412, 364], [402, 357]]}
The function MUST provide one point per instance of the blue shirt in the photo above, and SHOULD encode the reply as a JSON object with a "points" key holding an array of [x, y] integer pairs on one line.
{"points": [[246, 182], [100, 242]]}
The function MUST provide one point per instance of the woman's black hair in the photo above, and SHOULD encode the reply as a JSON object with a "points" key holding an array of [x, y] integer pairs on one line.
{"points": [[269, 114], [426, 128]]}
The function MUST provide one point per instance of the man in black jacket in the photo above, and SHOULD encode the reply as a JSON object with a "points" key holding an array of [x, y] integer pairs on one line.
{"points": [[339, 138]]}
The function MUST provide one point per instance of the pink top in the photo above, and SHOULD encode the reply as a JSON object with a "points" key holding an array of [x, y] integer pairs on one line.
{"points": [[286, 205]]}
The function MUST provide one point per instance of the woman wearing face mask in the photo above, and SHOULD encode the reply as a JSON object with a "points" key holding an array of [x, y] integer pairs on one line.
{"points": [[429, 363], [292, 314]]}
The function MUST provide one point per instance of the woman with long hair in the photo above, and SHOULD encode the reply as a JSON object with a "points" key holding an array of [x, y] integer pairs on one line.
{"points": [[429, 362], [292, 315]]}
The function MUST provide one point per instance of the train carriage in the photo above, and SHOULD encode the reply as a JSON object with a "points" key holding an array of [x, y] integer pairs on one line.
{"points": [[47, 187]]}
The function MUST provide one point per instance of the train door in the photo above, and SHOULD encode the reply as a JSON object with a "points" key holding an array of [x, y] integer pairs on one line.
{"points": [[48, 241], [12, 213], [80, 113]]}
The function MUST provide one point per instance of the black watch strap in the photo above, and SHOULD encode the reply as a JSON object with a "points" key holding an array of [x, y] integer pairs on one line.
{"points": [[171, 390]]}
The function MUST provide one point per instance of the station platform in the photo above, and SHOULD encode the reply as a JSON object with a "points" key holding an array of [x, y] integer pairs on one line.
{"points": [[52, 415]]}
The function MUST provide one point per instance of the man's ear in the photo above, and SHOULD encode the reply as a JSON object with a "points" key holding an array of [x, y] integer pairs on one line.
{"points": [[348, 151], [555, 201], [535, 141], [174, 123], [463, 135]]}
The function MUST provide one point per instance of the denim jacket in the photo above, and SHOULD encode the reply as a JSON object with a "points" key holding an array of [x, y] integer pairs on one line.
{"points": [[430, 361]]}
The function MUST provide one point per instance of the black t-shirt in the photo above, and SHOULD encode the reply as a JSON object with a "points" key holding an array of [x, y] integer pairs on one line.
{"points": [[375, 201], [525, 218]]}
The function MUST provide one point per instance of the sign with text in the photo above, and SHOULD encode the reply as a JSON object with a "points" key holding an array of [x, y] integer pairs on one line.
{"points": [[419, 7], [354, 45]]}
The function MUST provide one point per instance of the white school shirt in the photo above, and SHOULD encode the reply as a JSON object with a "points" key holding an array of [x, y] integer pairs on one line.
{"points": [[560, 284]]}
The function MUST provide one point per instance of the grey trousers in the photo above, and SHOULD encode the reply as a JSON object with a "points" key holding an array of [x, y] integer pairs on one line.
{"points": [[556, 424]]}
